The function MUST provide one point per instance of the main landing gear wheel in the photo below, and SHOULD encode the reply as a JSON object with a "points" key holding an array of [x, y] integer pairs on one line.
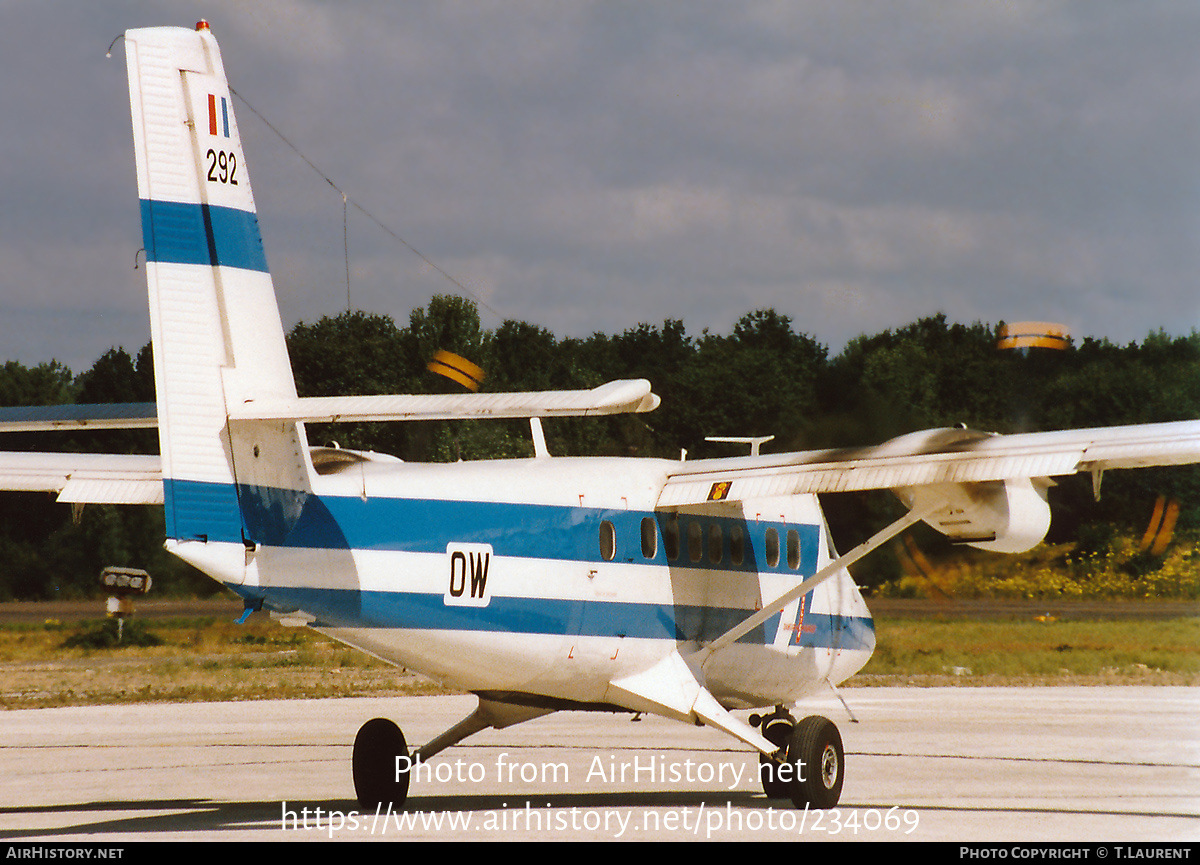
{"points": [[816, 743], [776, 728], [376, 780]]}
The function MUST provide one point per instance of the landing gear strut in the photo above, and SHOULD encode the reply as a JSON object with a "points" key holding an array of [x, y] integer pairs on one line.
{"points": [[380, 776], [777, 727], [813, 760], [383, 765]]}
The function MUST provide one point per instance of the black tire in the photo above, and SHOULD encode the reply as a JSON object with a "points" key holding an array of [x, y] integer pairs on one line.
{"points": [[779, 731], [376, 782], [817, 744]]}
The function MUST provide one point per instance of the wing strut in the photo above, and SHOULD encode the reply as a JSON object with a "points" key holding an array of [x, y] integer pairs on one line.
{"points": [[770, 609]]}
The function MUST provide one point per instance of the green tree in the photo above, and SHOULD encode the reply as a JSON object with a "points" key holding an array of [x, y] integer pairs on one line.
{"points": [[451, 324], [44, 384]]}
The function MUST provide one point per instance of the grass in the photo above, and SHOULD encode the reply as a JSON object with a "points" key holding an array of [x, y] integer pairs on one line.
{"points": [[56, 664], [1121, 570], [1049, 652], [52, 664], [1137, 651]]}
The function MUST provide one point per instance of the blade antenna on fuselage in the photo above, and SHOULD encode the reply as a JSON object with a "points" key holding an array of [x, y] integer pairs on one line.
{"points": [[845, 705]]}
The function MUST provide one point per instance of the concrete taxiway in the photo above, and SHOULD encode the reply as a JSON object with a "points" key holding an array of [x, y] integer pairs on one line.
{"points": [[1095, 764]]}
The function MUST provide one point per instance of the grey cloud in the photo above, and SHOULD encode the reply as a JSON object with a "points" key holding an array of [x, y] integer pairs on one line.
{"points": [[587, 166]]}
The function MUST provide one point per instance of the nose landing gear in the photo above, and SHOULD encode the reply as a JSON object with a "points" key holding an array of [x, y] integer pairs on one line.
{"points": [[809, 767]]}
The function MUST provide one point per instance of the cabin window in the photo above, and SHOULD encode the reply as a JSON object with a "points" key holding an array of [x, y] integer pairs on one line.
{"points": [[695, 542], [608, 541], [716, 544], [793, 549], [772, 548], [649, 538], [671, 538], [737, 545]]}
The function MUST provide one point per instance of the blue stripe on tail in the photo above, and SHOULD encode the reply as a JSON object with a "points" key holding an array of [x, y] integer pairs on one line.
{"points": [[182, 233]]}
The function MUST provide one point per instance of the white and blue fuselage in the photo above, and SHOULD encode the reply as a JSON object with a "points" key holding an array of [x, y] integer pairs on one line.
{"points": [[547, 578]]}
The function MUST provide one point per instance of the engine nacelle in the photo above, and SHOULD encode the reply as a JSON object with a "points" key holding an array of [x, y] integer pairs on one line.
{"points": [[1001, 516]]}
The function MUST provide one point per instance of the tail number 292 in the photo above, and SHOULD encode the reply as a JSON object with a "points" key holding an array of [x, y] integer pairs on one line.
{"points": [[222, 167]]}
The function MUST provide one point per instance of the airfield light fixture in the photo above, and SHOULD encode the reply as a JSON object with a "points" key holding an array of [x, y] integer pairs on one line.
{"points": [[122, 585]]}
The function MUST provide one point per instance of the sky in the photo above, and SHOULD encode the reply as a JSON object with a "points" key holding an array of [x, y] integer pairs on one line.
{"points": [[589, 166]]}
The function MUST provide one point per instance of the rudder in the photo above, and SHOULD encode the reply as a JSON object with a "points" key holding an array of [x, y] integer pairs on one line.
{"points": [[215, 325]]}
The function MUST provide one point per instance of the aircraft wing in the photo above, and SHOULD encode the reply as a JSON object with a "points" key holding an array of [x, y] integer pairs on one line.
{"points": [[615, 397], [122, 479], [932, 457]]}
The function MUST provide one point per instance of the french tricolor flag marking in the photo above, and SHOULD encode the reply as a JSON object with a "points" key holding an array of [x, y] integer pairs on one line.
{"points": [[213, 128]]}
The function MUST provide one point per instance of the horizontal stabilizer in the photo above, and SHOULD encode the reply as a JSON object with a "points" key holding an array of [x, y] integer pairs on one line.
{"points": [[46, 418], [616, 397]]}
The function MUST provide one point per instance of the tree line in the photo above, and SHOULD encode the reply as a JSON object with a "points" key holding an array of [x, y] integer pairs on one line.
{"points": [[763, 378]]}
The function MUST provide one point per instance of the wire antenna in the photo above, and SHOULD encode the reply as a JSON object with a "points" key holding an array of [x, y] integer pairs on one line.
{"points": [[346, 201]]}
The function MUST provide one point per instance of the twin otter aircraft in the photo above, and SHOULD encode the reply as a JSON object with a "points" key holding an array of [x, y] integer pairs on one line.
{"points": [[685, 589]]}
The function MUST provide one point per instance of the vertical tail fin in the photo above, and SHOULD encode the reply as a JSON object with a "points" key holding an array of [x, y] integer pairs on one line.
{"points": [[215, 325]]}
